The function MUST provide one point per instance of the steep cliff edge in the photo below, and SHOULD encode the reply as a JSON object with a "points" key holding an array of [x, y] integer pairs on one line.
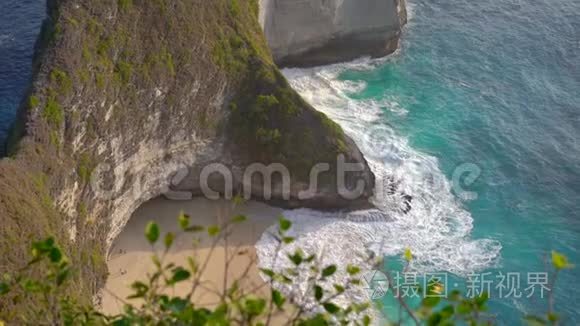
{"points": [[128, 92], [318, 32]]}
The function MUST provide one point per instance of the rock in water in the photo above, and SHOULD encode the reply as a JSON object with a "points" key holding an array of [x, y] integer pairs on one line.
{"points": [[318, 32]]}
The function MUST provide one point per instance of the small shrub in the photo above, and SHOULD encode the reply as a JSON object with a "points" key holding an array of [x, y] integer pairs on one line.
{"points": [[85, 168], [54, 138], [167, 58], [62, 81], [33, 101], [315, 306], [84, 75], [104, 45], [123, 70], [235, 8], [264, 103], [125, 5], [100, 80], [268, 136], [87, 55], [53, 113]]}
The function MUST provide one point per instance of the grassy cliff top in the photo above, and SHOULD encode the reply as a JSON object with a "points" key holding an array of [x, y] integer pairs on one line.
{"points": [[104, 70]]}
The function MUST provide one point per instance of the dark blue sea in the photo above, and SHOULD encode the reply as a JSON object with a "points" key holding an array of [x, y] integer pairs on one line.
{"points": [[20, 23]]}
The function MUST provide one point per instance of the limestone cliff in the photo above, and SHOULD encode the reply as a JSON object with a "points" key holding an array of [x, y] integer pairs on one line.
{"points": [[316, 32], [126, 93]]}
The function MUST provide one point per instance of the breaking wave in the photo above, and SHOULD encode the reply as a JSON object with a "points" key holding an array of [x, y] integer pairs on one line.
{"points": [[436, 228]]}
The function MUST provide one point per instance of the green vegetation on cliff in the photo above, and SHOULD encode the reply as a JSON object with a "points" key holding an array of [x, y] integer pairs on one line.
{"points": [[269, 120], [157, 303], [110, 74]]}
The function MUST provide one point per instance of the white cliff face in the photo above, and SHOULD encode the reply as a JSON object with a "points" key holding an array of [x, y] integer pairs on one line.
{"points": [[312, 32]]}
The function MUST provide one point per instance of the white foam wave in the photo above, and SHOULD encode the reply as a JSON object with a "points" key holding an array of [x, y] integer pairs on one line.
{"points": [[437, 228]]}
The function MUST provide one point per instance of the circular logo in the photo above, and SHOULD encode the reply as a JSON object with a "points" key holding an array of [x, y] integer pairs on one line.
{"points": [[377, 284]]}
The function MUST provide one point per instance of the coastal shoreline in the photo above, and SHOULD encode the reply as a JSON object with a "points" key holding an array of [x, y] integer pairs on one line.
{"points": [[129, 259]]}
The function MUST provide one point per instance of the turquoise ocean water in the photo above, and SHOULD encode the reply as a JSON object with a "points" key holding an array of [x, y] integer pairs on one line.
{"points": [[495, 85], [490, 86]]}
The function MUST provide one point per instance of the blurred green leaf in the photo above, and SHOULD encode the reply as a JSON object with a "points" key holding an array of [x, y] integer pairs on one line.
{"points": [[352, 270], [152, 232], [169, 237], [179, 274], [238, 200], [32, 286], [156, 261], [366, 320], [435, 319], [140, 289], [283, 279], [62, 276], [331, 307], [464, 307], [560, 261], [278, 298], [534, 321], [254, 306], [193, 266], [318, 292], [183, 220], [296, 258], [339, 288], [239, 218], [360, 307], [177, 305], [4, 288], [430, 301], [408, 254], [455, 295], [448, 311], [481, 300], [329, 271], [55, 255], [268, 272], [318, 320], [284, 224], [213, 230], [194, 228], [233, 289]]}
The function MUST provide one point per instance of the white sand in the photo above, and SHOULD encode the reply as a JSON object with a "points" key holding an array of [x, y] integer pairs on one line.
{"points": [[130, 257]]}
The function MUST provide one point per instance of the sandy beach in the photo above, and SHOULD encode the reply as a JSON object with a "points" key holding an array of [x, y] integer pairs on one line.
{"points": [[130, 257]]}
